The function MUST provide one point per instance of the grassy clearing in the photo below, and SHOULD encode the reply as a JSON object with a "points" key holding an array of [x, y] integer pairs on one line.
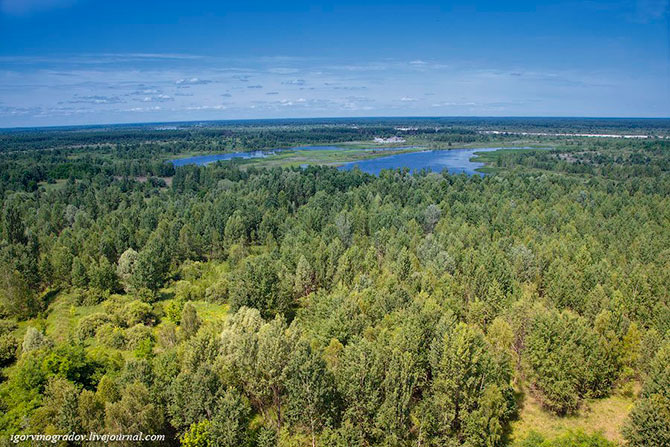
{"points": [[210, 311], [491, 158], [60, 319], [606, 416]]}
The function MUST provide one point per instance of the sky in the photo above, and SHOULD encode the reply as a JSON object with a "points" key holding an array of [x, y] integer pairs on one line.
{"points": [[70, 62]]}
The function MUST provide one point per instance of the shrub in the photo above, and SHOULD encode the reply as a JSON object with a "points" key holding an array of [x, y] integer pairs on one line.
{"points": [[34, 340], [8, 347], [89, 325], [137, 312], [111, 336], [137, 334]]}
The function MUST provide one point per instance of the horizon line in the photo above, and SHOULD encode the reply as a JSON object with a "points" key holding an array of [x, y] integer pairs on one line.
{"points": [[319, 118]]}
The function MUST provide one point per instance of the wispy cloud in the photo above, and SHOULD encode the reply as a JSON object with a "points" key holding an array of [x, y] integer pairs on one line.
{"points": [[193, 81], [158, 98], [95, 99], [294, 82], [68, 92]]}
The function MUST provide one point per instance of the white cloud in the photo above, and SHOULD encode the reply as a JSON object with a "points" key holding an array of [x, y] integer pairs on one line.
{"points": [[215, 107], [158, 98], [192, 81], [40, 93]]}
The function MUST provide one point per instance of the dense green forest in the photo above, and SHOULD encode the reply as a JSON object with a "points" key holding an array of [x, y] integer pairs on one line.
{"points": [[235, 305]]}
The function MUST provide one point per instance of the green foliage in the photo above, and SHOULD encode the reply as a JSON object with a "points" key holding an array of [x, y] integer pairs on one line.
{"points": [[570, 439], [198, 435], [8, 347], [190, 322], [111, 336], [134, 413], [381, 311], [650, 418], [139, 335], [16, 296], [102, 275], [567, 360], [126, 267], [34, 340], [68, 361], [470, 395], [257, 285], [89, 325]]}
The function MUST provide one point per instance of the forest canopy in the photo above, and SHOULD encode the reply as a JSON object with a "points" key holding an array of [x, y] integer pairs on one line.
{"points": [[237, 305]]}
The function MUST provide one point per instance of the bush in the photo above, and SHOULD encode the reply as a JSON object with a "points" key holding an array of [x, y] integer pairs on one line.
{"points": [[8, 348], [90, 324], [173, 310], [7, 326], [111, 336], [136, 334], [34, 340], [137, 312]]}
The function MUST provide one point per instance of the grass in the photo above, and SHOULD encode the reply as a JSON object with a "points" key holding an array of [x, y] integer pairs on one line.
{"points": [[492, 157], [606, 416], [61, 317], [332, 157], [210, 311]]}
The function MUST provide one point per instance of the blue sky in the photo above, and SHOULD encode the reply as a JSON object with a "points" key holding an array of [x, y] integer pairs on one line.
{"points": [[68, 62]]}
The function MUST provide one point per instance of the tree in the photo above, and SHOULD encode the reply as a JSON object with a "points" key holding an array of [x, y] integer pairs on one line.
{"points": [[126, 267], [16, 296], [102, 275], [61, 407], [79, 274], [359, 378], [431, 216], [311, 397], [470, 393], [256, 284], [12, 223], [566, 360], [34, 340], [303, 284], [256, 355], [230, 423], [133, 414], [649, 419], [193, 396], [190, 322], [8, 348], [152, 264], [198, 435], [399, 386]]}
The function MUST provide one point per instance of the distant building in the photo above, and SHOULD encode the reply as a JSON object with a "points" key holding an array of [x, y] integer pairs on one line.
{"points": [[389, 140]]}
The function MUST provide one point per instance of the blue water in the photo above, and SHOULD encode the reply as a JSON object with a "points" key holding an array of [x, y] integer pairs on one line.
{"points": [[456, 161], [206, 159]]}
